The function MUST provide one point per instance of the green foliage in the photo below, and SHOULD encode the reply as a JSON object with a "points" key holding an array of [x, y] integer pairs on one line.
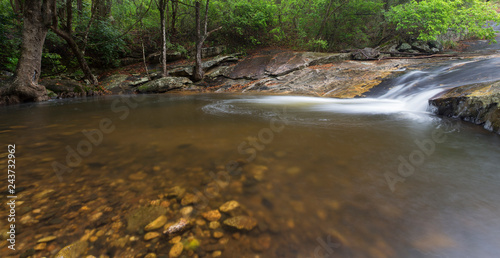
{"points": [[247, 22], [317, 45], [51, 64], [105, 46], [10, 38], [427, 19]]}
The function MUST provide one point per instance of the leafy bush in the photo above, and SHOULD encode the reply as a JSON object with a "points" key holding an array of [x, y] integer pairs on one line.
{"points": [[317, 45], [10, 39], [51, 64], [427, 19], [105, 45]]}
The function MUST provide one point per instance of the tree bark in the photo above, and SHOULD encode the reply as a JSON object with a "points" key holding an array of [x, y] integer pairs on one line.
{"points": [[200, 38], [66, 35], [161, 7], [175, 7], [198, 71], [79, 56], [25, 88]]}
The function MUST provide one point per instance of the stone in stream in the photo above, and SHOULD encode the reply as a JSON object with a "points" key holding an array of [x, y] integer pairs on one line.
{"points": [[229, 206], [188, 199], [476, 103], [214, 225], [186, 211], [138, 176], [241, 223], [156, 224], [47, 239], [40, 246], [140, 217], [74, 250], [151, 235], [176, 250], [176, 192], [212, 215]]}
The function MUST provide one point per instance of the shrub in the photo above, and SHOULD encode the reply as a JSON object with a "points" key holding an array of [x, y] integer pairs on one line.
{"points": [[427, 19]]}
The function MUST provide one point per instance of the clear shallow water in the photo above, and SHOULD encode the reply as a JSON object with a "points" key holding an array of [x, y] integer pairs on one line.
{"points": [[313, 171]]}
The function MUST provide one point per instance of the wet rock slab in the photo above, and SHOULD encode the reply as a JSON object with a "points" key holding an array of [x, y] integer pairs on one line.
{"points": [[477, 103]]}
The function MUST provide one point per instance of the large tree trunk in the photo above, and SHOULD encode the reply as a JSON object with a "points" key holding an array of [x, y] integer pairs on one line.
{"points": [[25, 87]]}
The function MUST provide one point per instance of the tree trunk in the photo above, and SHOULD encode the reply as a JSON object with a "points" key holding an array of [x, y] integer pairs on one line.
{"points": [[66, 35], [201, 36], [175, 6], [198, 71], [161, 7], [79, 56], [25, 87]]}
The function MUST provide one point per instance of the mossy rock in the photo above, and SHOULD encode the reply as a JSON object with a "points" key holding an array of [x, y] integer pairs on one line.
{"points": [[140, 217]]}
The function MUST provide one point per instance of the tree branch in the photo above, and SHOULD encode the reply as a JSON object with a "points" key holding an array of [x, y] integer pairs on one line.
{"points": [[205, 21]]}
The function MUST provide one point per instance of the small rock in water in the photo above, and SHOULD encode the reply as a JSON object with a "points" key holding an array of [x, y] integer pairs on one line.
{"points": [[192, 244], [241, 222], [212, 215], [175, 240], [186, 211], [47, 239], [40, 246], [176, 192], [257, 171], [150, 255], [214, 225], [95, 216], [229, 206], [188, 199], [218, 234], [75, 249], [138, 176], [217, 254], [179, 226], [139, 218], [151, 235], [157, 223], [176, 250]]}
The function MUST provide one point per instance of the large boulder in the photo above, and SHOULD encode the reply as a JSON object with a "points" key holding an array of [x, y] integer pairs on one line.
{"points": [[366, 54], [477, 103], [155, 58], [164, 84], [187, 70], [117, 84]]}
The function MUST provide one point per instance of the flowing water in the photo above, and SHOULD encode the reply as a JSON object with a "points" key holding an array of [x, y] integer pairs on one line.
{"points": [[375, 177]]}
